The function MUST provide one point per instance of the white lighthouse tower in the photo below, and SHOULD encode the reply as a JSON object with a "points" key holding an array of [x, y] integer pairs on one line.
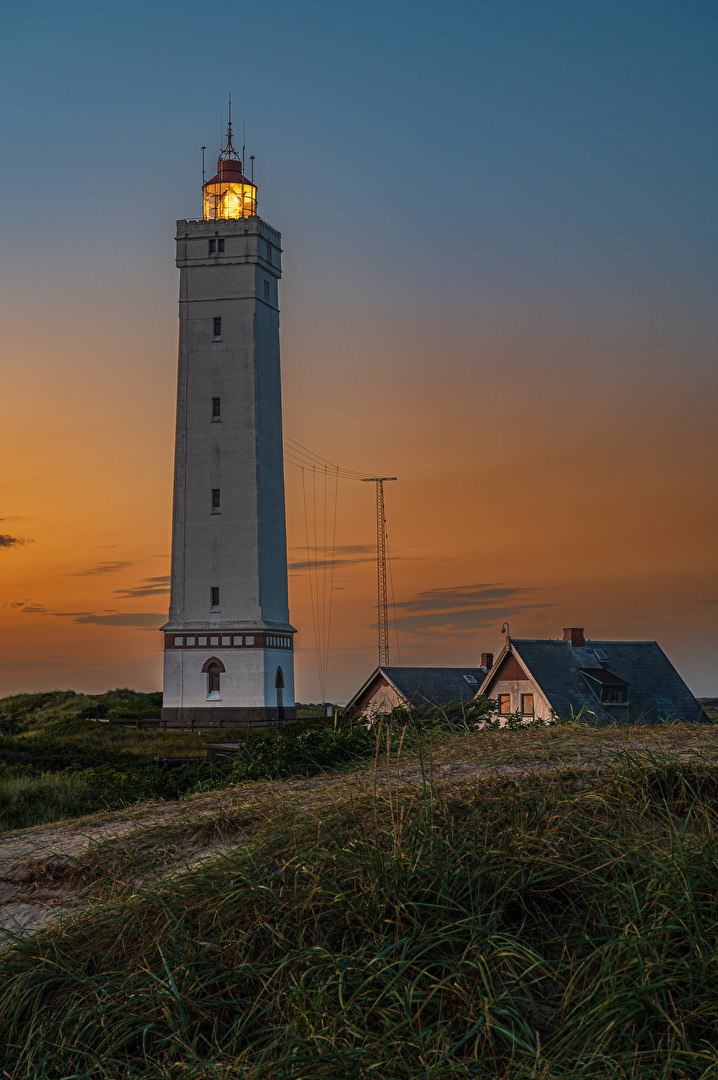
{"points": [[228, 649]]}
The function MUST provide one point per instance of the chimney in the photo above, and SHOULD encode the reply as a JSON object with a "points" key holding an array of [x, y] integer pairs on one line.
{"points": [[487, 659], [574, 634]]}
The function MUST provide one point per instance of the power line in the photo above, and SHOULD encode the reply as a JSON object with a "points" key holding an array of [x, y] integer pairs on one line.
{"points": [[322, 594]]}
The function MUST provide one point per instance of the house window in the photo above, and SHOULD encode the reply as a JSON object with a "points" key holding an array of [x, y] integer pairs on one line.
{"points": [[220, 246], [614, 694], [214, 598], [216, 408], [504, 704], [212, 246], [216, 328], [266, 291], [527, 704], [215, 500]]}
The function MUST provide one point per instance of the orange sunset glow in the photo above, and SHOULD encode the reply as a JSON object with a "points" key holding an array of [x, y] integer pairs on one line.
{"points": [[534, 359]]}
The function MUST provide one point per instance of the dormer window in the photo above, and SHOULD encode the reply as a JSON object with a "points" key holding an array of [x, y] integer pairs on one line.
{"points": [[610, 689], [614, 694]]}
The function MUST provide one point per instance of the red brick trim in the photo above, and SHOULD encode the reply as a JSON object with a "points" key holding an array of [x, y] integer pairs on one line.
{"points": [[230, 639]]}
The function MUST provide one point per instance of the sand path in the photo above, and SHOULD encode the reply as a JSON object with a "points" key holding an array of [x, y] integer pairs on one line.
{"points": [[39, 882]]}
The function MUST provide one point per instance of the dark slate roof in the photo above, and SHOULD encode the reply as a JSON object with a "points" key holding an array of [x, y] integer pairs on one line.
{"points": [[435, 686], [655, 689], [602, 675], [429, 686]]}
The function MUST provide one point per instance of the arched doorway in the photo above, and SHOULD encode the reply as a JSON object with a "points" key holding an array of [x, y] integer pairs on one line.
{"points": [[279, 684]]}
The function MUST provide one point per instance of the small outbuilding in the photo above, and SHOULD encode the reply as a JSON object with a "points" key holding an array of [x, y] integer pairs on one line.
{"points": [[604, 682], [389, 688]]}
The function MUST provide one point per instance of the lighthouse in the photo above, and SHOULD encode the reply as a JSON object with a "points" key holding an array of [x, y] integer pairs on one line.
{"points": [[228, 642]]}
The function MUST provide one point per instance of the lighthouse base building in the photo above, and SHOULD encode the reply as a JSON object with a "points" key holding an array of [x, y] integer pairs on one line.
{"points": [[228, 642]]}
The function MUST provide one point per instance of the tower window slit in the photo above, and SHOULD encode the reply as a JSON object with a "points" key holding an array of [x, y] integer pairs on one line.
{"points": [[216, 328], [214, 598], [266, 291], [216, 408], [215, 500]]}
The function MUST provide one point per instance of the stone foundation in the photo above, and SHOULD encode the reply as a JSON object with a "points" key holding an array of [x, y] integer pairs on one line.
{"points": [[231, 717]]}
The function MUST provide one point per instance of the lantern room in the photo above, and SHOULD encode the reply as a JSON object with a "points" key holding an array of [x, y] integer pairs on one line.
{"points": [[229, 194]]}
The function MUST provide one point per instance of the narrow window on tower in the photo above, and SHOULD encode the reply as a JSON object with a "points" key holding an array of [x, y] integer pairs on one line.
{"points": [[213, 682], [216, 409], [220, 246], [216, 328], [212, 246], [214, 598], [266, 291], [215, 500]]}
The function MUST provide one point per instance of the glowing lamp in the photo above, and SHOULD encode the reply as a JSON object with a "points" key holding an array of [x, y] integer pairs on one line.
{"points": [[229, 194]]}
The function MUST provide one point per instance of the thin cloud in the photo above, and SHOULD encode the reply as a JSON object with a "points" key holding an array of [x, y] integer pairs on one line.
{"points": [[324, 557], [457, 622], [475, 596], [323, 564], [141, 619], [152, 586], [7, 541], [462, 609], [103, 568]]}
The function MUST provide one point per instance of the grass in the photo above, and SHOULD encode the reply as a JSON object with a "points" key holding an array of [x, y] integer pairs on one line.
{"points": [[710, 707], [57, 762], [34, 799], [556, 925]]}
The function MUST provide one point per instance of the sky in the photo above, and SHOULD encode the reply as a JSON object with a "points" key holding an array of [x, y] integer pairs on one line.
{"points": [[500, 265]]}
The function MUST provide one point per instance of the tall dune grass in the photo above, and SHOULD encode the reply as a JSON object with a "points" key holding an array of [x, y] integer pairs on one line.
{"points": [[522, 930], [35, 799]]}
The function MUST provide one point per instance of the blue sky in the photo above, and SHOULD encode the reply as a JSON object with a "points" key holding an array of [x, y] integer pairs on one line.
{"points": [[500, 222]]}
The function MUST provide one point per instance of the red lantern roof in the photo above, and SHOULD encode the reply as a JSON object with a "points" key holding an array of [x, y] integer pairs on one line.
{"points": [[229, 171]]}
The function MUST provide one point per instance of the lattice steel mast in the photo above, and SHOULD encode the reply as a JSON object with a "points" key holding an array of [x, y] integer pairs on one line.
{"points": [[382, 602]]}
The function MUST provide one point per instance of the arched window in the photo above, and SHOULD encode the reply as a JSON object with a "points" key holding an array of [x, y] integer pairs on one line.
{"points": [[213, 669], [279, 685]]}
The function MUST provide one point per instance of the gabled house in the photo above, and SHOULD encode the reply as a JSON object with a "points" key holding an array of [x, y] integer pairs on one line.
{"points": [[390, 688], [605, 682]]}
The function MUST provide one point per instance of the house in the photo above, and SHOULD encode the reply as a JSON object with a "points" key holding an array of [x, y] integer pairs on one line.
{"points": [[390, 688], [607, 682]]}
